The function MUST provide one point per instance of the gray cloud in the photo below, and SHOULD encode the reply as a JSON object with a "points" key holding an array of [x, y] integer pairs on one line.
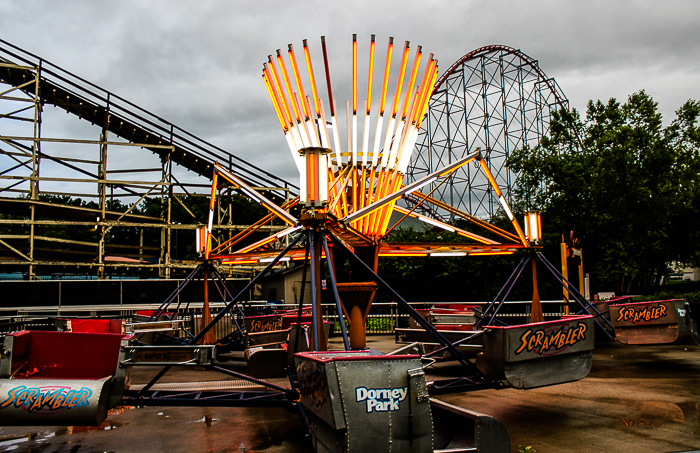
{"points": [[198, 63]]}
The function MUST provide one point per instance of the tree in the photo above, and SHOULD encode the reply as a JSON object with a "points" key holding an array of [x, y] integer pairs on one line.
{"points": [[626, 184]]}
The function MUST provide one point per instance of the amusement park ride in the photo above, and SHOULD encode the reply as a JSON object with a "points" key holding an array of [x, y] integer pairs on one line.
{"points": [[354, 399]]}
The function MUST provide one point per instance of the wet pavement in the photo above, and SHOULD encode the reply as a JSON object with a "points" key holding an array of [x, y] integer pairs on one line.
{"points": [[636, 399]]}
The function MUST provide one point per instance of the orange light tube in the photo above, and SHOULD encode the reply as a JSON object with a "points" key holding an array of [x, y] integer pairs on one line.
{"points": [[385, 83], [328, 75], [257, 244], [214, 181], [297, 79], [274, 101], [516, 225], [311, 174], [489, 253], [423, 90], [475, 237], [488, 174], [279, 91], [399, 82], [235, 184], [397, 255], [455, 168], [411, 81], [293, 100], [310, 69], [354, 74], [239, 262], [427, 98], [369, 75]]}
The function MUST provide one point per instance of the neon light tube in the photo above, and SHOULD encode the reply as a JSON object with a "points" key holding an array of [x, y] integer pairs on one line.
{"points": [[436, 223], [274, 101], [490, 253], [331, 100], [312, 78], [354, 74], [290, 93], [365, 137], [476, 237], [336, 139], [269, 260], [448, 254], [377, 138], [429, 181], [297, 79], [411, 81], [385, 83], [291, 230], [488, 174], [257, 244], [387, 142], [516, 225], [509, 213], [323, 126], [399, 82], [279, 91], [399, 254]]}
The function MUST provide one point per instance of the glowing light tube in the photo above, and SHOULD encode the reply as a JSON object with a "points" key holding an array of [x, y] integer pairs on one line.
{"points": [[312, 79], [291, 230], [489, 176], [448, 254], [272, 258], [436, 223], [509, 213], [431, 180], [365, 137], [297, 79]]}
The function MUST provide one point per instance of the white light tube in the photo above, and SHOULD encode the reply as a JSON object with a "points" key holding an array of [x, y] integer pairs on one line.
{"points": [[429, 181], [269, 260], [291, 230], [448, 254], [436, 223], [505, 206]]}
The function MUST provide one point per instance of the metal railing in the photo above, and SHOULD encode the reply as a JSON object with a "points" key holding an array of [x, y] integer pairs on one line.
{"points": [[383, 318]]}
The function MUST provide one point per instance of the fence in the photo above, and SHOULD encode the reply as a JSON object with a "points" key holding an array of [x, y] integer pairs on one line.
{"points": [[383, 318]]}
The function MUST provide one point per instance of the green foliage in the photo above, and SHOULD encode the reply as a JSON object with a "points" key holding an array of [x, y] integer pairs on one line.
{"points": [[527, 449], [628, 186]]}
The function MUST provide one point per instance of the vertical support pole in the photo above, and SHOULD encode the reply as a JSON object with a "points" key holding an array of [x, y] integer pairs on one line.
{"points": [[208, 337], [581, 280], [169, 168], [317, 331], [102, 189], [536, 309], [140, 245], [34, 182], [565, 273]]}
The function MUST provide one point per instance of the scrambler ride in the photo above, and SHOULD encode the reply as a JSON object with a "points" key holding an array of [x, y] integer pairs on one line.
{"points": [[353, 399]]}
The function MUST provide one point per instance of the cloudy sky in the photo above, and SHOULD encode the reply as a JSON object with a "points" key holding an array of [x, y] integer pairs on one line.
{"points": [[198, 63]]}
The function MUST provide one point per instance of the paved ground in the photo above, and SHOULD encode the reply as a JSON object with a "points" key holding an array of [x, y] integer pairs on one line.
{"points": [[636, 399]]}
